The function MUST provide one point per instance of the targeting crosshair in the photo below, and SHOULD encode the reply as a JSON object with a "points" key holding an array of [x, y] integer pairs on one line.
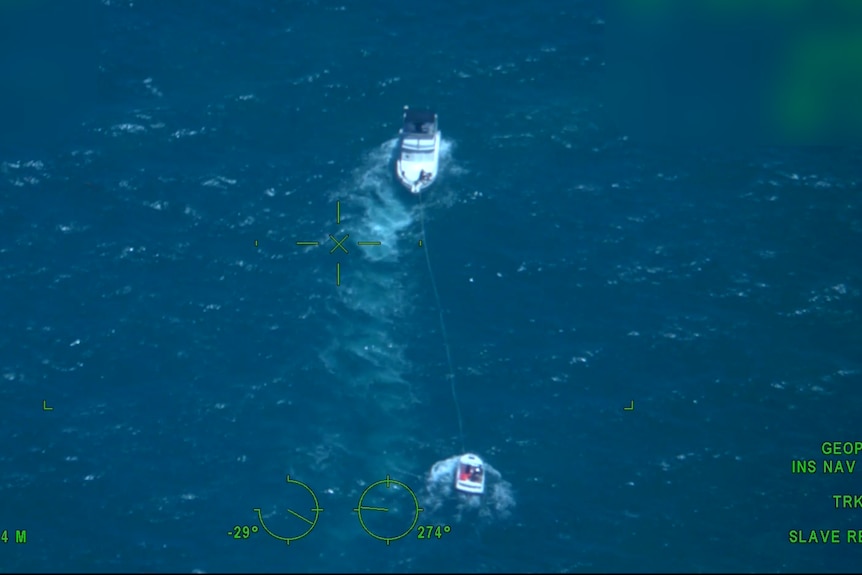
{"points": [[317, 510], [339, 244], [388, 482]]}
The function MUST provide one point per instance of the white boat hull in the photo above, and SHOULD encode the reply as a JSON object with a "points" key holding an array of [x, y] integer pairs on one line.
{"points": [[418, 150], [410, 168], [469, 487], [470, 475]]}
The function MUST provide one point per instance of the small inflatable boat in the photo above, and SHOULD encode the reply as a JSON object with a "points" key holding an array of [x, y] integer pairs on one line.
{"points": [[470, 474]]}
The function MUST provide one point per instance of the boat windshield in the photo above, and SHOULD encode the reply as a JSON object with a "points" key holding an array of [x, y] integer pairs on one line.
{"points": [[470, 473], [419, 129]]}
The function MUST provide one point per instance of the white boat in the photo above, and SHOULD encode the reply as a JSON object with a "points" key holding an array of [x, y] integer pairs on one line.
{"points": [[470, 474], [419, 153]]}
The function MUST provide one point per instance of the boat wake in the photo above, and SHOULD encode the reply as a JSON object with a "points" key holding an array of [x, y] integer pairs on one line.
{"points": [[371, 322], [442, 498], [374, 297], [373, 206]]}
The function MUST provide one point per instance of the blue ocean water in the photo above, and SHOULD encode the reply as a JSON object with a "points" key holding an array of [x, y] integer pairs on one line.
{"points": [[194, 356]]}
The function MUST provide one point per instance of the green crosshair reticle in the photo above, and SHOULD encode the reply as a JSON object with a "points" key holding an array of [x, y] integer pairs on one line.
{"points": [[388, 483], [339, 244], [316, 510]]}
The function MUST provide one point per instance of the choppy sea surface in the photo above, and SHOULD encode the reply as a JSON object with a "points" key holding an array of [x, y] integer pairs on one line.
{"points": [[194, 356]]}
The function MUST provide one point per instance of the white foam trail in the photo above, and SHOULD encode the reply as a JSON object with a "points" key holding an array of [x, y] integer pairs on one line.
{"points": [[373, 208], [374, 301], [373, 297]]}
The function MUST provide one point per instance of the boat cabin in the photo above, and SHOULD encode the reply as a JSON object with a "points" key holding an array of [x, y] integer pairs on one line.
{"points": [[419, 123]]}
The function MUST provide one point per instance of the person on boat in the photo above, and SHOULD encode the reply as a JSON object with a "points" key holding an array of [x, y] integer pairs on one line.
{"points": [[465, 474], [476, 474]]}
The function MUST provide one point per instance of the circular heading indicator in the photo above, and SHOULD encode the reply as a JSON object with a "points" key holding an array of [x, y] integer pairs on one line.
{"points": [[388, 510]]}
